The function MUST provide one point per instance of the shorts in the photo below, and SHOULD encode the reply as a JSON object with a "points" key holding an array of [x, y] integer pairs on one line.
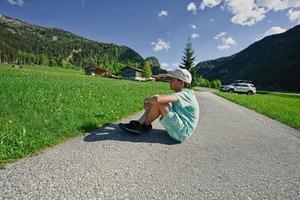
{"points": [[174, 126]]}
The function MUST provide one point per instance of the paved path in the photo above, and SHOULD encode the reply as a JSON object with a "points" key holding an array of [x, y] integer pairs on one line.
{"points": [[235, 154]]}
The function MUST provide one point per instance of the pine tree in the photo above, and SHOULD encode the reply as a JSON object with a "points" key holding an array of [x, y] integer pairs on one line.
{"points": [[188, 57], [147, 69]]}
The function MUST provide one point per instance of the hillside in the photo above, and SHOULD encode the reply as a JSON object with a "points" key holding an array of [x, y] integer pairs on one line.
{"points": [[272, 63], [25, 43], [155, 66]]}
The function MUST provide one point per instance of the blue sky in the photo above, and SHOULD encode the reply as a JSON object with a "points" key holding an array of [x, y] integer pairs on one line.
{"points": [[161, 28]]}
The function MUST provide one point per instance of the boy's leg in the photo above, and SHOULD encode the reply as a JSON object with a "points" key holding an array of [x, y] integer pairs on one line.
{"points": [[146, 119], [155, 111], [142, 119]]}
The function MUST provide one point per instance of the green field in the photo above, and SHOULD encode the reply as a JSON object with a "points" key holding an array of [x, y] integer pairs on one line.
{"points": [[42, 106], [282, 107]]}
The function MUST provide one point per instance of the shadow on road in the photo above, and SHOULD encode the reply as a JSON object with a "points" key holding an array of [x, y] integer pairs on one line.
{"points": [[113, 132]]}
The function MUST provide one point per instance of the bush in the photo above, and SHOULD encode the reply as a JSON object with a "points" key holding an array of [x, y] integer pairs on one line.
{"points": [[216, 84], [202, 82]]}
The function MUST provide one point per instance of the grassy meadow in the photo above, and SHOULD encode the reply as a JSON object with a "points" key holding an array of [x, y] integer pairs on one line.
{"points": [[42, 106], [282, 107]]}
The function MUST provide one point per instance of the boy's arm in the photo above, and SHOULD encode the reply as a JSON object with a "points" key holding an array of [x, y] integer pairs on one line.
{"points": [[156, 99]]}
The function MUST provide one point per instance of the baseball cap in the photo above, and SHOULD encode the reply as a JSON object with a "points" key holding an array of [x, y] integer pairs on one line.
{"points": [[181, 74]]}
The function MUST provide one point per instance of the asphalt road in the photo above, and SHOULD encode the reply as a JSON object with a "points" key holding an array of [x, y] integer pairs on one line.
{"points": [[234, 154]]}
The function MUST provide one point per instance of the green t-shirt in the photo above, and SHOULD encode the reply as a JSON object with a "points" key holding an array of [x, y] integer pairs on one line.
{"points": [[183, 117]]}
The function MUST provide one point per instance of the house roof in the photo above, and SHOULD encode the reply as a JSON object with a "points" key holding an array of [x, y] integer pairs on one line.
{"points": [[136, 69], [98, 68]]}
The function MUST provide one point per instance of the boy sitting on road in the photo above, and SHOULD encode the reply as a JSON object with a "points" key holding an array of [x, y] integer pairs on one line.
{"points": [[178, 112]]}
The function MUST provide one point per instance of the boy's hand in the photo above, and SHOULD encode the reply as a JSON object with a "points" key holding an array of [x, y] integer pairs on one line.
{"points": [[156, 99], [151, 100], [147, 106]]}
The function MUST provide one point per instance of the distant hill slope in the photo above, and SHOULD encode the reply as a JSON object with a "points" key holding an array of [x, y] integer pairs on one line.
{"points": [[272, 63], [155, 65], [26, 43]]}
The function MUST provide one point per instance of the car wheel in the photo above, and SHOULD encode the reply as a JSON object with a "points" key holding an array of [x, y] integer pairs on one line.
{"points": [[249, 92], [230, 90]]}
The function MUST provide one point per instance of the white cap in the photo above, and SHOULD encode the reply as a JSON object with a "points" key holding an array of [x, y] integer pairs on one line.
{"points": [[181, 74]]}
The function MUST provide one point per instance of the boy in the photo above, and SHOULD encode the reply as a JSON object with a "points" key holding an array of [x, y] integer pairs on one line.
{"points": [[178, 112]]}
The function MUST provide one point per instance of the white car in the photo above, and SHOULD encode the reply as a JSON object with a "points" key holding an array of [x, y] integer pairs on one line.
{"points": [[247, 88]]}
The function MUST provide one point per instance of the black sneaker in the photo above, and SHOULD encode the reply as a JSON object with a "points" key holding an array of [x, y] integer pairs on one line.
{"points": [[147, 128], [135, 127]]}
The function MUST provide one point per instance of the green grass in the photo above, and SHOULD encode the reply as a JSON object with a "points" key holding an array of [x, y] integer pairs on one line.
{"points": [[41, 106], [282, 107]]}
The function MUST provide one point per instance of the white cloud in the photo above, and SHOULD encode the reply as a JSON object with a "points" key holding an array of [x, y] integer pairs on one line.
{"points": [[160, 45], [246, 12], [250, 12], [273, 4], [164, 65], [193, 26], [192, 7], [227, 43], [168, 67], [223, 47], [272, 31], [195, 35], [16, 2], [276, 5], [209, 3], [294, 15], [220, 35], [175, 65], [163, 13]]}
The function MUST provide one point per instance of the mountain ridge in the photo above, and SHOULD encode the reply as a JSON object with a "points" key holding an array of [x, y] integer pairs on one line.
{"points": [[25, 43], [272, 63]]}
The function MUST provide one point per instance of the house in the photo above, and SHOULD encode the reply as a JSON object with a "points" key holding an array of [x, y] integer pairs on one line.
{"points": [[162, 78], [92, 70], [16, 66], [132, 73], [152, 78]]}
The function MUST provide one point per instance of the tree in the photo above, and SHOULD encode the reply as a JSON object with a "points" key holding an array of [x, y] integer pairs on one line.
{"points": [[216, 84], [52, 62], [202, 82], [44, 60], [63, 63], [147, 69], [188, 57], [195, 77]]}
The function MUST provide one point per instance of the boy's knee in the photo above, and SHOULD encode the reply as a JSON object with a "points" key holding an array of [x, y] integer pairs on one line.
{"points": [[164, 109]]}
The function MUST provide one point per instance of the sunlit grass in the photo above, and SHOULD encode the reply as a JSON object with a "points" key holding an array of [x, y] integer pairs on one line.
{"points": [[41, 106], [282, 107]]}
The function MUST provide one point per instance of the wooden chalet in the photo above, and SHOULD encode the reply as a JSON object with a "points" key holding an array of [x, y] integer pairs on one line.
{"points": [[92, 70], [132, 73]]}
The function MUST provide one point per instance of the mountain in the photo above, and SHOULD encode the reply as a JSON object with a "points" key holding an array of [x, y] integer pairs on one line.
{"points": [[24, 43], [155, 66], [272, 63]]}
